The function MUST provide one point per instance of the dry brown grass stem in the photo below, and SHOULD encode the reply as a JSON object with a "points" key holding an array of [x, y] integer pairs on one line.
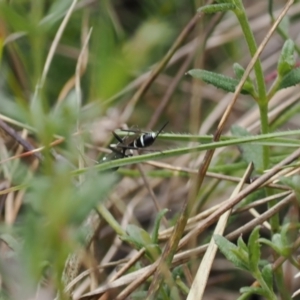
{"points": [[184, 256], [55, 43], [200, 280], [145, 86]]}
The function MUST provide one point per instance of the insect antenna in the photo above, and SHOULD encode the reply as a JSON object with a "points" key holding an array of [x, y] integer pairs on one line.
{"points": [[161, 129]]}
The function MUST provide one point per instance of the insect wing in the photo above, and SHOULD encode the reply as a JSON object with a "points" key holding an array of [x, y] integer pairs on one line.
{"points": [[127, 142], [112, 156]]}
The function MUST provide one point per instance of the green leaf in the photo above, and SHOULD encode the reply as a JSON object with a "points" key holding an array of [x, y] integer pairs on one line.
{"points": [[89, 194], [280, 242], [16, 20], [285, 24], [293, 182], [275, 244], [10, 241], [130, 240], [248, 85], [158, 218], [267, 274], [250, 152], [224, 1], [244, 296], [139, 295], [141, 239], [1, 47], [254, 290], [220, 81], [139, 236], [214, 8], [242, 245], [243, 259], [55, 13], [231, 252], [254, 249], [290, 79], [284, 235], [238, 70], [152, 251], [286, 60]]}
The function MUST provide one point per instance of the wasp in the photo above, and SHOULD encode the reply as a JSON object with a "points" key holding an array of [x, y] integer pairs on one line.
{"points": [[137, 141]]}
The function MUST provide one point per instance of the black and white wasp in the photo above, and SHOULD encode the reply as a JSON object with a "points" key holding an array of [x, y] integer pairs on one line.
{"points": [[138, 140]]}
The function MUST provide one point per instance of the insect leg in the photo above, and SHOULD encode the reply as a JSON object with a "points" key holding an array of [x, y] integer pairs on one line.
{"points": [[117, 137]]}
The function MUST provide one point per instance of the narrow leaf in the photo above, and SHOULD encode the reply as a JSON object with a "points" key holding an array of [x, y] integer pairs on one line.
{"points": [[267, 275], [238, 70], [14, 19], [280, 242], [254, 249], [153, 251], [285, 25], [293, 182], [248, 85], [243, 259], [160, 215], [250, 152], [286, 60], [275, 244], [10, 241], [290, 79], [220, 81], [214, 8], [242, 245], [230, 251], [254, 290], [244, 296], [56, 11], [138, 236], [1, 47], [284, 235]]}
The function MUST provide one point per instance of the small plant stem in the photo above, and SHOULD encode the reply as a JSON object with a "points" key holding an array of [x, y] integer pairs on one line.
{"points": [[274, 221], [262, 102], [281, 286], [274, 87], [108, 217], [259, 278], [263, 109], [280, 31], [241, 15]]}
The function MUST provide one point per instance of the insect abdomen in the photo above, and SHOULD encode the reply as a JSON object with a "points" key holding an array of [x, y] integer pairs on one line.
{"points": [[145, 140]]}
